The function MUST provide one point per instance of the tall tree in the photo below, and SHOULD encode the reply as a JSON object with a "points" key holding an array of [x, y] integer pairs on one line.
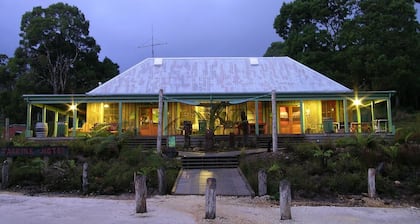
{"points": [[56, 55], [369, 44], [53, 40], [382, 48], [11, 103]]}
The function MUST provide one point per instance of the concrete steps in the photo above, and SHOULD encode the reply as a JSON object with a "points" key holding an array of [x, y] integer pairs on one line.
{"points": [[207, 162]]}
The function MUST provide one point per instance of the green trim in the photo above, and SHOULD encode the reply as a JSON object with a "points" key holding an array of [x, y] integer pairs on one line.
{"points": [[165, 118], [74, 129], [302, 126], [346, 116], [83, 98], [28, 120], [388, 108], [120, 119], [257, 125]]}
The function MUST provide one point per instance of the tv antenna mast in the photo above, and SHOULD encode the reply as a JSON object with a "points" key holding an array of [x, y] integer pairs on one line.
{"points": [[152, 45]]}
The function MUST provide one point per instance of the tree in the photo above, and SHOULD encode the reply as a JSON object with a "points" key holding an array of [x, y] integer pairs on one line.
{"points": [[54, 39], [10, 98], [56, 54], [310, 30], [369, 45], [90, 72], [383, 54], [5, 77]]}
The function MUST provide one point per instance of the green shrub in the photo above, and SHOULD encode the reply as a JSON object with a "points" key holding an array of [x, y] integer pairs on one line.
{"points": [[26, 171], [305, 151], [385, 186], [62, 175], [348, 183]]}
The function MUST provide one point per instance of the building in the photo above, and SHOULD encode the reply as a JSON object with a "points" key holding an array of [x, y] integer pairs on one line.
{"points": [[213, 92]]}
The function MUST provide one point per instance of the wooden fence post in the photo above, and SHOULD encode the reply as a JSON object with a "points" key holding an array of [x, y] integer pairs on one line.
{"points": [[285, 200], [211, 198], [85, 179], [141, 193], [7, 130], [46, 163], [262, 182], [161, 181], [371, 182], [5, 175]]}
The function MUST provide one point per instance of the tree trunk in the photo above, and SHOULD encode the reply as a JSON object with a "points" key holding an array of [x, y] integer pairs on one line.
{"points": [[371, 182], [141, 193], [285, 200], [5, 175], [161, 181], [262, 182], [85, 180], [211, 198]]}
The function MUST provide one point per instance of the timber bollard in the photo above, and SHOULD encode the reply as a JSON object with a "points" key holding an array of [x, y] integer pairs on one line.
{"points": [[285, 200], [141, 192], [371, 182], [211, 198], [85, 179], [161, 181], [262, 182], [5, 175]]}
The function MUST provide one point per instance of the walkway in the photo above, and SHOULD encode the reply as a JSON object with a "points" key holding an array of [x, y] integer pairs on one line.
{"points": [[229, 181]]}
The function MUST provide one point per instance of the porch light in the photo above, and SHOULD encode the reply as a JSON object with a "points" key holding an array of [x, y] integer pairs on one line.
{"points": [[357, 102], [73, 107], [106, 105]]}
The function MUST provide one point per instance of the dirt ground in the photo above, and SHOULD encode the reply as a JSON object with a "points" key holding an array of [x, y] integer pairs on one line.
{"points": [[17, 208]]}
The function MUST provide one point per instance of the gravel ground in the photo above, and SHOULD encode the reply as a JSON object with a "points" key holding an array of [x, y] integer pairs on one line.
{"points": [[17, 208]]}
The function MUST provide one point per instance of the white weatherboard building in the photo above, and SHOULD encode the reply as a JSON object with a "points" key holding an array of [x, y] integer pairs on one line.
{"points": [[212, 92]]}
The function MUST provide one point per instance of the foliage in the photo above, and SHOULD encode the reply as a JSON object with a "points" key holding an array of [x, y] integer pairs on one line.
{"points": [[26, 171], [62, 175], [324, 155], [345, 172], [407, 126], [55, 55], [54, 39], [392, 152], [338, 38]]}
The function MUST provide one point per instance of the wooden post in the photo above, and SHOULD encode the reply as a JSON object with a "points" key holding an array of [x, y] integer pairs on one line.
{"points": [[141, 193], [211, 198], [371, 182], [161, 181], [5, 175], [285, 200], [85, 180], [7, 130], [262, 182], [159, 128], [274, 120], [46, 163]]}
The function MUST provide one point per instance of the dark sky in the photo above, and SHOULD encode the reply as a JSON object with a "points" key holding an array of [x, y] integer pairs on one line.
{"points": [[184, 28]]}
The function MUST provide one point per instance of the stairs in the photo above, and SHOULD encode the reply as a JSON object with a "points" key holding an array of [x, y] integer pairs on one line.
{"points": [[209, 162], [146, 142]]}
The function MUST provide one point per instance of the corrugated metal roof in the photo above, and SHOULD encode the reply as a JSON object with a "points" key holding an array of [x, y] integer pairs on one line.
{"points": [[219, 75]]}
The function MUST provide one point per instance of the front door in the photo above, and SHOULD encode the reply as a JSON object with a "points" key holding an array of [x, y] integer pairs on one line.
{"points": [[148, 121], [289, 120]]}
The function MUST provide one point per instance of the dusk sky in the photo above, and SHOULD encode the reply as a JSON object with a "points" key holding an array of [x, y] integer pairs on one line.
{"points": [[184, 28]]}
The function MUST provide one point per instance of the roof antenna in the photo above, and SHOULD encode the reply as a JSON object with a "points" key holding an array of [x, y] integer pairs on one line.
{"points": [[152, 45]]}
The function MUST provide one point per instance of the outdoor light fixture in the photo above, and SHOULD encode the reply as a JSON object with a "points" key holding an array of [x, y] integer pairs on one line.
{"points": [[357, 102], [106, 105], [73, 107]]}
